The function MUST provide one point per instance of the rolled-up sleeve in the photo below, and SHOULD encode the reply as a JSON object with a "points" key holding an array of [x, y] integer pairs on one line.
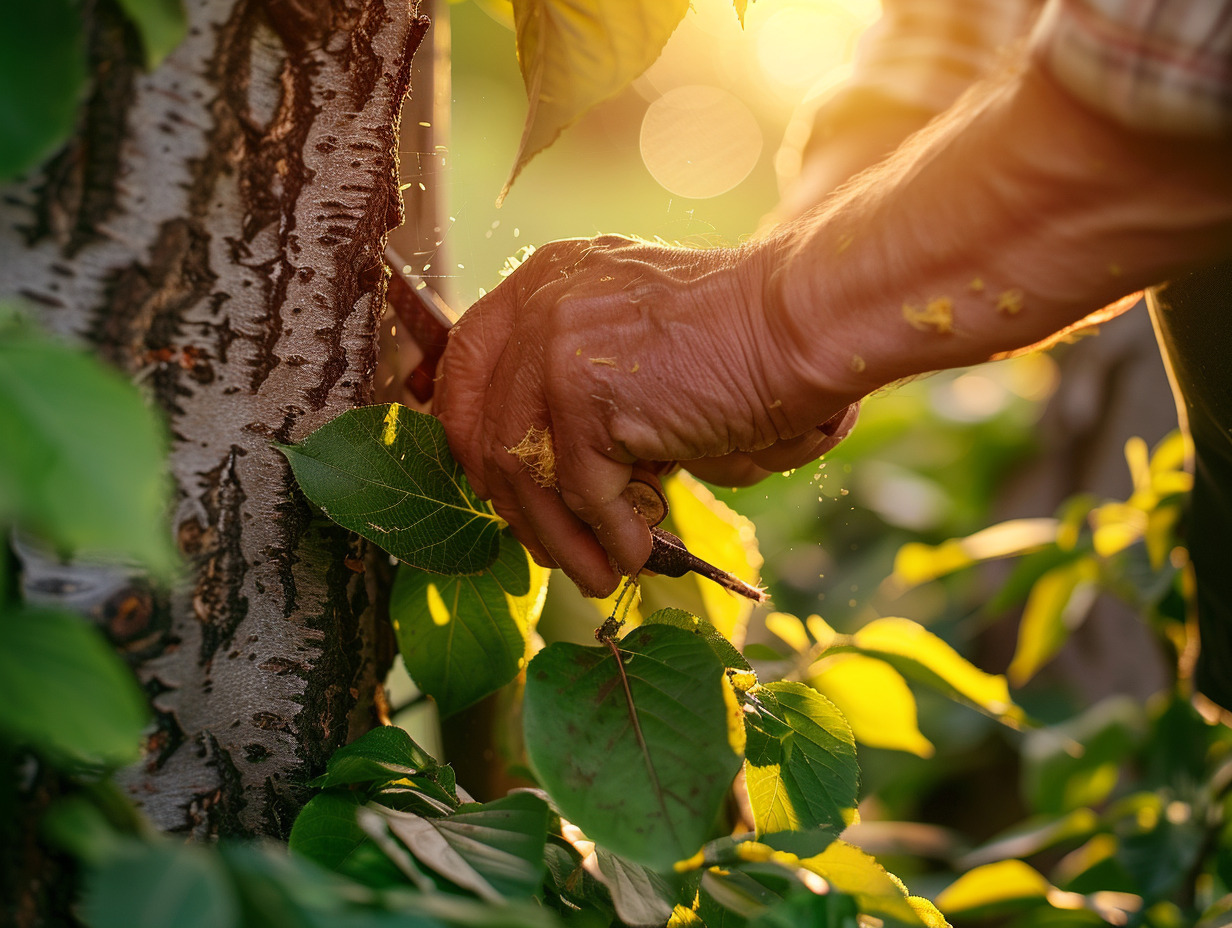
{"points": [[1161, 66]]}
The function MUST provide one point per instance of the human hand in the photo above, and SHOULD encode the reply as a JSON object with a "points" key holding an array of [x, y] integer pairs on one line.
{"points": [[596, 355]]}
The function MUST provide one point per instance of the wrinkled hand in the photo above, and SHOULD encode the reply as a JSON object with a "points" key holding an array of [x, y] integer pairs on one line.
{"points": [[598, 354]]}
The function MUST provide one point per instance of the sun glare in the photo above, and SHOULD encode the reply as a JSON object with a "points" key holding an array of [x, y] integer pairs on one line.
{"points": [[699, 141], [719, 94]]}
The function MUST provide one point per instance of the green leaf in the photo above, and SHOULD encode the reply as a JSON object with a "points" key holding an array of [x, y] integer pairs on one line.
{"points": [[42, 80], [161, 24], [286, 891], [502, 840], [386, 473], [65, 693], [156, 885], [724, 650], [1008, 885], [875, 700], [920, 655], [82, 464], [420, 794], [715, 533], [381, 756], [576, 53], [465, 637], [849, 870], [1071, 766], [638, 752], [494, 850], [807, 843], [77, 825], [1059, 603], [639, 895], [800, 763], [327, 832], [567, 878], [729, 897], [832, 910]]}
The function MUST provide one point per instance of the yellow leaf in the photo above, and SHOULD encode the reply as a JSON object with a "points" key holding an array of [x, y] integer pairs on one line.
{"points": [[576, 53], [684, 918], [1160, 537], [712, 531], [1138, 459], [1171, 453], [918, 563], [875, 699], [928, 913], [849, 870], [1058, 603], [1077, 862], [1170, 482], [991, 884], [1117, 526], [790, 630], [821, 631], [918, 654]]}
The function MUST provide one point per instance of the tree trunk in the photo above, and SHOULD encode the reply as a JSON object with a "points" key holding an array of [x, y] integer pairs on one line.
{"points": [[216, 229]]}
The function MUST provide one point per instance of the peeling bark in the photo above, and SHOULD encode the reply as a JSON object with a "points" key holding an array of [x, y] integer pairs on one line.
{"points": [[216, 229]]}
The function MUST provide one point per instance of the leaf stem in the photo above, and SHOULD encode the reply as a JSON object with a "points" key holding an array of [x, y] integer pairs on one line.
{"points": [[637, 730]]}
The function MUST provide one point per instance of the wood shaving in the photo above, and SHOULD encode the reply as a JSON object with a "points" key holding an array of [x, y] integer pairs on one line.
{"points": [[937, 315], [537, 454]]}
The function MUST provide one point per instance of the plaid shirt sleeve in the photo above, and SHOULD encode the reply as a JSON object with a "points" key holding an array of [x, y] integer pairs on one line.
{"points": [[1156, 65], [925, 53]]}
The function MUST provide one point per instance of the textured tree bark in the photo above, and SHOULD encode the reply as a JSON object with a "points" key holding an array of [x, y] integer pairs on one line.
{"points": [[216, 229]]}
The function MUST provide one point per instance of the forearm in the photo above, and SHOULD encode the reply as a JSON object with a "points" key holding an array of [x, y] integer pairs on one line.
{"points": [[1015, 216]]}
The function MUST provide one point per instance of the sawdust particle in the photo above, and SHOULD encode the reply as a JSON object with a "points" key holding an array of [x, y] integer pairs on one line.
{"points": [[844, 242], [857, 364], [1010, 302], [606, 362], [635, 368], [976, 285], [937, 315]]}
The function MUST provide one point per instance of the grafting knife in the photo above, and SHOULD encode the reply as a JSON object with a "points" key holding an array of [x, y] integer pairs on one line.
{"points": [[426, 320]]}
